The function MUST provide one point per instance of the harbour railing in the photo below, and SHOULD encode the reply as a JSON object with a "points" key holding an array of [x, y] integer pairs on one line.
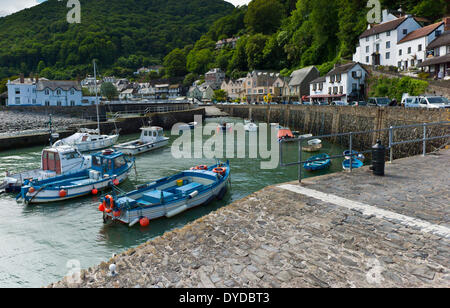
{"points": [[351, 135]]}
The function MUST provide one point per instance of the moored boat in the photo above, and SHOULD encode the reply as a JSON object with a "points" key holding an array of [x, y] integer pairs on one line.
{"points": [[285, 134], [314, 142], [251, 127], [354, 154], [169, 196], [318, 162], [356, 164], [108, 169], [152, 138], [87, 140], [55, 161]]}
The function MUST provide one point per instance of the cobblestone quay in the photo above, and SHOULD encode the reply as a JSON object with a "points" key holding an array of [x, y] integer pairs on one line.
{"points": [[340, 230]]}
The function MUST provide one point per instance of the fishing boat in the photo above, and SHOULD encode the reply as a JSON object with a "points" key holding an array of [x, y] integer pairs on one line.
{"points": [[88, 140], [318, 162], [152, 138], [355, 154], [108, 169], [356, 164], [169, 196], [251, 127], [285, 134], [54, 162]]}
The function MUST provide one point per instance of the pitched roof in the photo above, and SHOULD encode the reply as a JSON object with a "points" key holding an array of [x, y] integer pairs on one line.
{"points": [[58, 84], [298, 76], [384, 27], [319, 80], [435, 60], [343, 69], [421, 32], [442, 40]]}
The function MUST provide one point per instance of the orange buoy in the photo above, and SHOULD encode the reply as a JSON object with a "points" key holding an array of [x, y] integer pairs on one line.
{"points": [[201, 167], [111, 201], [116, 182], [95, 191], [220, 170], [145, 222], [31, 190], [101, 207], [117, 213], [62, 193]]}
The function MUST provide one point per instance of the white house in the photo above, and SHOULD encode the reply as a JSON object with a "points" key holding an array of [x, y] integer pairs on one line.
{"points": [[438, 60], [343, 83], [411, 50], [44, 92], [378, 44], [214, 78]]}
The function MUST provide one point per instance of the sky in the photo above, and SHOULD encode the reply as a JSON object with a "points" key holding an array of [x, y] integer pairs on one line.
{"points": [[11, 6]]}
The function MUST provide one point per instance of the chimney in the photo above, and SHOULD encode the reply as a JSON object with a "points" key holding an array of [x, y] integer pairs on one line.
{"points": [[447, 24], [22, 78], [37, 78]]}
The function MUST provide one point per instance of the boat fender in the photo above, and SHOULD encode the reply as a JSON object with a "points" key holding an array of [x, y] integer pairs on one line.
{"points": [[101, 207], [31, 190], [177, 211], [193, 194], [144, 222], [62, 193]]}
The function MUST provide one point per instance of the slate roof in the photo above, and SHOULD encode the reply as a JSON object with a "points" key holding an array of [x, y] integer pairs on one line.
{"points": [[442, 40], [298, 76], [435, 60], [58, 84], [384, 27], [421, 32], [343, 69], [319, 80]]}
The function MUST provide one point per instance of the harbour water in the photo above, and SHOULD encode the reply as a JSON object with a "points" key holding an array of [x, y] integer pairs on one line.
{"points": [[41, 244]]}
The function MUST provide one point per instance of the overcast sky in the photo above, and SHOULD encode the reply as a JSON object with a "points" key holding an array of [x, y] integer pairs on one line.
{"points": [[11, 6]]}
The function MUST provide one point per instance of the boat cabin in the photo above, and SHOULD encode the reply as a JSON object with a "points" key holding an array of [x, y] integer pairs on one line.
{"points": [[151, 134], [61, 159], [109, 162]]}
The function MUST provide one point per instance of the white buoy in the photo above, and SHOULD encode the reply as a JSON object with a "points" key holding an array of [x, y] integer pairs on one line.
{"points": [[112, 270]]}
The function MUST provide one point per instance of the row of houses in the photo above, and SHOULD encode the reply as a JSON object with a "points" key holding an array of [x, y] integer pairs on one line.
{"points": [[344, 82], [403, 41]]}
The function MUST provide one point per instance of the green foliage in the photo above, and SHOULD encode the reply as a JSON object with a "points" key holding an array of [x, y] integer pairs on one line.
{"points": [[220, 96], [264, 16], [190, 79], [175, 63], [108, 90], [396, 87], [122, 34]]}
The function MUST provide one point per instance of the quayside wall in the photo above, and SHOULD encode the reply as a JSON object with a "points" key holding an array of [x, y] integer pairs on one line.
{"points": [[323, 120]]}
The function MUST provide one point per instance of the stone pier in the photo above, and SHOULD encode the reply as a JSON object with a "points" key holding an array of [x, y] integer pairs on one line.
{"points": [[340, 230]]}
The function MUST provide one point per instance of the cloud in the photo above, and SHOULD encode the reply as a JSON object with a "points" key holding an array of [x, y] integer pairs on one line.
{"points": [[238, 2], [8, 7]]}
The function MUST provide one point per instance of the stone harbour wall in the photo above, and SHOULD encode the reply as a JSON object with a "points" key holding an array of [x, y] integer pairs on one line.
{"points": [[324, 120]]}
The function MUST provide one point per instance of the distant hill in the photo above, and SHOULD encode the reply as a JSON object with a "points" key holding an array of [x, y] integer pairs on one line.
{"points": [[122, 34]]}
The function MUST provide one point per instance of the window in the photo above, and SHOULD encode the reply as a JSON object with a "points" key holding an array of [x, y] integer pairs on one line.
{"points": [[58, 92], [47, 103], [332, 78], [72, 92], [72, 103], [17, 91], [399, 64], [409, 50], [341, 89], [399, 52], [335, 90], [448, 49], [320, 86], [377, 36], [315, 86], [420, 47], [338, 78], [412, 62], [329, 90], [388, 33], [367, 59], [34, 101], [59, 103], [367, 39], [17, 100], [354, 86], [47, 92], [388, 45], [405, 31], [367, 49], [377, 47], [388, 55], [437, 52]]}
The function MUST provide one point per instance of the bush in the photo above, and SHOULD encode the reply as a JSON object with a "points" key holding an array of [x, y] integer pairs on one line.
{"points": [[396, 87], [423, 75]]}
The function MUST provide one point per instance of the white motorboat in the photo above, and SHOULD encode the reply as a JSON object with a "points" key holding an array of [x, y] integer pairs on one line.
{"points": [[314, 142], [251, 127], [56, 161], [87, 140], [151, 138]]}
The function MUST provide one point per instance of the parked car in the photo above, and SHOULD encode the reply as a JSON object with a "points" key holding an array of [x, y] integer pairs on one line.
{"points": [[379, 101], [410, 101], [339, 103], [434, 102], [358, 103]]}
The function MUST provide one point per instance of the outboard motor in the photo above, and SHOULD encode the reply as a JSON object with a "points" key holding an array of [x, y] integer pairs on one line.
{"points": [[378, 158]]}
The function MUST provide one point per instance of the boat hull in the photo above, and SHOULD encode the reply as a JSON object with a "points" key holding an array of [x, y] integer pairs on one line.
{"points": [[131, 148]]}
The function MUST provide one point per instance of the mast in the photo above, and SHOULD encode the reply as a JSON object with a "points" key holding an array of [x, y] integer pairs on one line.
{"points": [[96, 98]]}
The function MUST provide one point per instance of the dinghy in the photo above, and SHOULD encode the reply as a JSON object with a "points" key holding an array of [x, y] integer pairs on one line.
{"points": [[356, 164], [314, 142], [318, 162], [108, 169], [88, 140], [168, 197], [285, 134], [355, 154], [251, 127], [152, 138], [54, 162]]}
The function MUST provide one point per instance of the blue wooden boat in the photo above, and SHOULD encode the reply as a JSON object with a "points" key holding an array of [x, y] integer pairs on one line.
{"points": [[318, 162], [356, 163], [108, 169], [169, 196], [355, 154]]}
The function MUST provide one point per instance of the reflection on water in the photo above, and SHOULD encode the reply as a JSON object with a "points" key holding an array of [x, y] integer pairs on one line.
{"points": [[37, 241]]}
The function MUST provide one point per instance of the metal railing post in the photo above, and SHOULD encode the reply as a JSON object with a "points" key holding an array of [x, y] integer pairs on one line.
{"points": [[424, 145], [391, 139], [300, 159], [351, 152]]}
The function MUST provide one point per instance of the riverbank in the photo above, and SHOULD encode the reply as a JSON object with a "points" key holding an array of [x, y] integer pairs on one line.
{"points": [[339, 230]]}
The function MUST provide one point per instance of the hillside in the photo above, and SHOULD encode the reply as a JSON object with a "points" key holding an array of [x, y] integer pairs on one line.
{"points": [[122, 34]]}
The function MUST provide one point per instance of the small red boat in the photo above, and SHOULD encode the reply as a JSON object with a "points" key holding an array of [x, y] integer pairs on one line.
{"points": [[285, 134]]}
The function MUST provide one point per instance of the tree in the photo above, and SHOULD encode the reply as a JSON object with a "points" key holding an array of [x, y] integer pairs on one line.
{"points": [[41, 66], [264, 16], [220, 95], [108, 90], [255, 51], [175, 63]]}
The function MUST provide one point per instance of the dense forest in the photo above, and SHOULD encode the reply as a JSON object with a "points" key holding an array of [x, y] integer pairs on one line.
{"points": [[122, 34], [284, 35]]}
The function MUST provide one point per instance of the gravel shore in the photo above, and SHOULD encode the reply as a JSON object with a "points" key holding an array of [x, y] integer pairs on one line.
{"points": [[13, 122]]}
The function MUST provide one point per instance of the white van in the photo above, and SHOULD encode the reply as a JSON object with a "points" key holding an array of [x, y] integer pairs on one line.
{"points": [[411, 101], [434, 102]]}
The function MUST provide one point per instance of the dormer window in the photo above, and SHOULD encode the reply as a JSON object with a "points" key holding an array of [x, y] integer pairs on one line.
{"points": [[405, 31], [47, 92], [58, 92], [72, 92]]}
